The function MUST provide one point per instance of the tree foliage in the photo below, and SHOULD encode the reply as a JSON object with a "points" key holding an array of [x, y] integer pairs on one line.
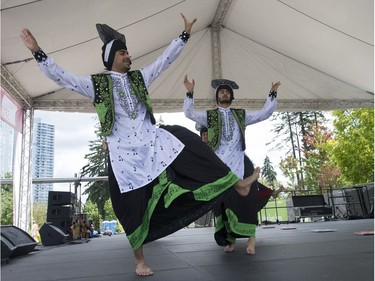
{"points": [[268, 173], [97, 191], [320, 173], [110, 214], [7, 202], [354, 144], [291, 130], [91, 209], [289, 167], [39, 213]]}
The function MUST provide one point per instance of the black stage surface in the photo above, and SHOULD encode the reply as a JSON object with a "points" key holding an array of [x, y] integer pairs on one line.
{"points": [[302, 254]]}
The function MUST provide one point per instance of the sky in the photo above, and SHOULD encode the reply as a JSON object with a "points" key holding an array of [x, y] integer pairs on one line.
{"points": [[74, 131]]}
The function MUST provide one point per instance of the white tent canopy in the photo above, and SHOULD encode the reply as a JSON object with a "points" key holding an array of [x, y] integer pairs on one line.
{"points": [[322, 51]]}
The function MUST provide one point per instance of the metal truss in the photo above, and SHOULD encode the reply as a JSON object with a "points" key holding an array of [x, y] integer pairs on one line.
{"points": [[22, 204]]}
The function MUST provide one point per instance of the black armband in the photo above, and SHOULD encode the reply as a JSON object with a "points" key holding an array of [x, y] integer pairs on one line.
{"points": [[184, 36], [273, 94], [189, 95], [40, 56]]}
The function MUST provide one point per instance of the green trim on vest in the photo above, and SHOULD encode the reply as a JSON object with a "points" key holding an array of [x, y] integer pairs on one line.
{"points": [[103, 100], [140, 89], [214, 126]]}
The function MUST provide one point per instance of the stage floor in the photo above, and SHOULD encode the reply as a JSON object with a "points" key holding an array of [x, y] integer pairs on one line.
{"points": [[310, 251]]}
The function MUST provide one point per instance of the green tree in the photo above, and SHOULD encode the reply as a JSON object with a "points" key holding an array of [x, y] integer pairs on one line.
{"points": [[91, 209], [268, 172], [110, 215], [289, 167], [320, 172], [97, 191], [39, 213], [109, 212], [7, 202], [354, 144], [291, 129]]}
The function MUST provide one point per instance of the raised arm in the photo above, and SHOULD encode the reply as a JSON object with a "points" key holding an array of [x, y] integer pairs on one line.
{"points": [[81, 84], [269, 107], [169, 55], [200, 117], [188, 24], [275, 86], [189, 85], [29, 40]]}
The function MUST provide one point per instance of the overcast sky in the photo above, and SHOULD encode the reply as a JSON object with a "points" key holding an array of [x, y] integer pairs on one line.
{"points": [[73, 131]]}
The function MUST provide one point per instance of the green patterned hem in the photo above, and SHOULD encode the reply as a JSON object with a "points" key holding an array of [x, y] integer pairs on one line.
{"points": [[219, 223], [231, 240], [139, 235], [174, 191], [204, 193], [239, 228], [209, 191]]}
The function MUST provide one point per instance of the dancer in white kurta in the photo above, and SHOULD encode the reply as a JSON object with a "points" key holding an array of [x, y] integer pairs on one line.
{"points": [[237, 216], [160, 179]]}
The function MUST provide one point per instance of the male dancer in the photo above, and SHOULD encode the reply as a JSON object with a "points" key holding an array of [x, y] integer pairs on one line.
{"points": [[236, 217], [159, 179]]}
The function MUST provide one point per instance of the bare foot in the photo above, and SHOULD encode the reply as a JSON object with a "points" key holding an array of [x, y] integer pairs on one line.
{"points": [[250, 246], [276, 192], [141, 267], [243, 186], [143, 270], [229, 248]]}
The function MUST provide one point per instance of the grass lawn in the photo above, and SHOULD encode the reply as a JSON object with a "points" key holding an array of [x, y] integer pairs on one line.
{"points": [[273, 211]]}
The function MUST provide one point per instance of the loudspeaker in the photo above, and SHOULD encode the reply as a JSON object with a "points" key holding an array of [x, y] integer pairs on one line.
{"points": [[52, 235], [59, 212], [15, 242], [64, 224], [61, 209], [6, 249], [61, 198]]}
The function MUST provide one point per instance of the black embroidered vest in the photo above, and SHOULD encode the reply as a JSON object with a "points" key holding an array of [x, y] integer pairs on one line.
{"points": [[103, 100], [214, 126]]}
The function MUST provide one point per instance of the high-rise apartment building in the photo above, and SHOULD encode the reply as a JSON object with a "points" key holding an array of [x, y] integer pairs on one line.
{"points": [[43, 159]]}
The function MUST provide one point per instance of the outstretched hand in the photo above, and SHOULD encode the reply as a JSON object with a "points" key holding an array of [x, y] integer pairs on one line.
{"points": [[188, 24], [189, 85], [29, 40], [275, 86]]}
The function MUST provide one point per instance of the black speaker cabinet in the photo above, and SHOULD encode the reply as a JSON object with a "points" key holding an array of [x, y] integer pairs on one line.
{"points": [[60, 212], [6, 249], [61, 198], [52, 235], [15, 242], [64, 224]]}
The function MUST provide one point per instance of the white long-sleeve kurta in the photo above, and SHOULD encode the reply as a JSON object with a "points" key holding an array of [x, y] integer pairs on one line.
{"points": [[230, 147], [138, 150]]}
